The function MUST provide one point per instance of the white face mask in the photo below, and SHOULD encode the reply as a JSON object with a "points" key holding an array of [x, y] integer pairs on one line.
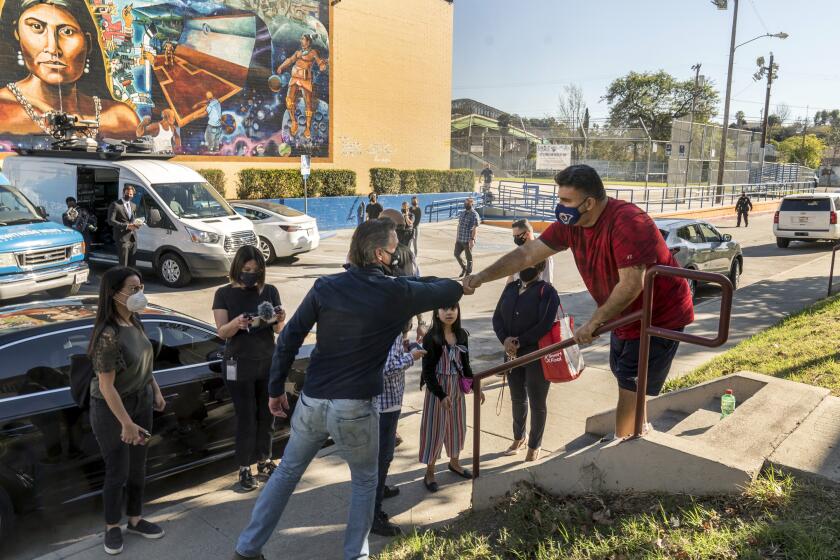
{"points": [[136, 302]]}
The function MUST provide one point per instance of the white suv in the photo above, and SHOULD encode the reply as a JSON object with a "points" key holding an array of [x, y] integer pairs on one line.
{"points": [[807, 217]]}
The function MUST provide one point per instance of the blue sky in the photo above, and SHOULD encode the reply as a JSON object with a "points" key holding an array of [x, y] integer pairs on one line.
{"points": [[518, 54]]}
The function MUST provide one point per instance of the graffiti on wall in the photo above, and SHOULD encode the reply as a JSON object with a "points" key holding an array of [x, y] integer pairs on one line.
{"points": [[193, 77]]}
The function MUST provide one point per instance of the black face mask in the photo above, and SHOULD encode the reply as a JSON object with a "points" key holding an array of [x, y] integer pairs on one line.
{"points": [[392, 269], [248, 279], [520, 240], [529, 274]]}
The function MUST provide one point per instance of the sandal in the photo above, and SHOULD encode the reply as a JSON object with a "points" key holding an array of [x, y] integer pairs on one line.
{"points": [[463, 473], [515, 447]]}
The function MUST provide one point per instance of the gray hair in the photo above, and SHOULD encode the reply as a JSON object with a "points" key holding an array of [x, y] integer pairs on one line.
{"points": [[368, 237]]}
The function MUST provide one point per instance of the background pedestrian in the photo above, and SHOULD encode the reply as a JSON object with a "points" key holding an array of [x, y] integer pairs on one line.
{"points": [[373, 208], [418, 218], [122, 217], [123, 394], [468, 222], [743, 207], [247, 313], [523, 232]]}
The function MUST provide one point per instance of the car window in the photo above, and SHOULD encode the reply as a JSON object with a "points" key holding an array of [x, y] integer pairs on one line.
{"points": [[806, 205], [41, 363], [690, 234], [252, 214], [664, 234], [710, 235], [177, 344]]}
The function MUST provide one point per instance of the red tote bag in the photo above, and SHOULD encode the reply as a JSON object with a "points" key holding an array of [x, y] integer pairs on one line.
{"points": [[564, 365]]}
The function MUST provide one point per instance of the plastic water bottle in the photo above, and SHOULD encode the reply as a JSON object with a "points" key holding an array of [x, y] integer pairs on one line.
{"points": [[727, 403]]}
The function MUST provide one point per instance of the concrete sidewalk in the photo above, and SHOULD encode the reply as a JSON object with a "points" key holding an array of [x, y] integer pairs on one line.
{"points": [[206, 527]]}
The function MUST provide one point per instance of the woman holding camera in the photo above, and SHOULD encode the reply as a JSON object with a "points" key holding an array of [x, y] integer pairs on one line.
{"points": [[123, 394], [248, 314]]}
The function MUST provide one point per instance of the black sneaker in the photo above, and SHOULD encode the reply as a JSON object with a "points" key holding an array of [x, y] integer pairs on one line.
{"points": [[113, 541], [391, 492], [237, 556], [266, 468], [384, 528], [246, 479], [145, 529]]}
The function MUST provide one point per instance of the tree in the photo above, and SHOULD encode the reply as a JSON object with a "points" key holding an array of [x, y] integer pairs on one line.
{"points": [[586, 119], [783, 112], [808, 152], [571, 107], [658, 98], [832, 140], [740, 119]]}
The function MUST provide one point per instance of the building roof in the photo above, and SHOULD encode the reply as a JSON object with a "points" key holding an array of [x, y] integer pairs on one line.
{"points": [[460, 123]]}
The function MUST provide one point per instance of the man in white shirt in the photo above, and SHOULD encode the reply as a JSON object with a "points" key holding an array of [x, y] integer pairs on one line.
{"points": [[523, 232]]}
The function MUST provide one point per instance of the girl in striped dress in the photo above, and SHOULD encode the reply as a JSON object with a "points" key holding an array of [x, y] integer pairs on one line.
{"points": [[444, 421]]}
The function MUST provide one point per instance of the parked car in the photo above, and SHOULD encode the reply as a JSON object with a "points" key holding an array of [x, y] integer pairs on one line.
{"points": [[807, 217], [282, 231], [48, 454], [698, 245]]}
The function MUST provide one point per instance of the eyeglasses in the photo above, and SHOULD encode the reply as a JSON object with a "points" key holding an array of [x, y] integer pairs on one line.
{"points": [[133, 289]]}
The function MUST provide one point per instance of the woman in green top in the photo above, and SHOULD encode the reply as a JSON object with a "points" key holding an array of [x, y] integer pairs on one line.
{"points": [[123, 394]]}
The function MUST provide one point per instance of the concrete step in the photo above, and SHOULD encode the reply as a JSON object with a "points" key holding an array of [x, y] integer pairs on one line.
{"points": [[814, 447], [692, 449]]}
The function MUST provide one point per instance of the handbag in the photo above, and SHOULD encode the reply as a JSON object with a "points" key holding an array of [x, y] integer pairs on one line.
{"points": [[564, 365], [465, 383], [81, 375]]}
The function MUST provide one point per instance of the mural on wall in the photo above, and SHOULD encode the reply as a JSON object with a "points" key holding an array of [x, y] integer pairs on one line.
{"points": [[194, 77]]}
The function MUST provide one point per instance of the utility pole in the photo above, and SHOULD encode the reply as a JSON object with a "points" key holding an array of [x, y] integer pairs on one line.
{"points": [[770, 69], [725, 131], [696, 69]]}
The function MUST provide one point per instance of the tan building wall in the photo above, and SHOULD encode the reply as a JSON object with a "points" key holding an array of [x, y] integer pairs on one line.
{"points": [[391, 90]]}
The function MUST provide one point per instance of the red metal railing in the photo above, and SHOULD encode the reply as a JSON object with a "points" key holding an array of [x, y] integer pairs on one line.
{"points": [[647, 331], [831, 272]]}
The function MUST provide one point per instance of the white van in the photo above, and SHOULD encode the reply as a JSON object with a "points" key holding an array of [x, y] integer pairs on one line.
{"points": [[190, 230], [807, 217]]}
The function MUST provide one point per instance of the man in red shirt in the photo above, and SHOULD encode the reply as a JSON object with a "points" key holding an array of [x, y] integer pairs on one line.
{"points": [[613, 243]]}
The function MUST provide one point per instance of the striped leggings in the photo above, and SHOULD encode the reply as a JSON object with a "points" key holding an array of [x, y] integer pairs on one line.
{"points": [[440, 427]]}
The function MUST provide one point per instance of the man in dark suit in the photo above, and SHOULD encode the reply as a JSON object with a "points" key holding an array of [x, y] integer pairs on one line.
{"points": [[121, 216]]}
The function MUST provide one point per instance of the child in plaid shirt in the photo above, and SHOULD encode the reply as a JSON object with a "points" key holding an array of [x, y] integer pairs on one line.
{"points": [[389, 404]]}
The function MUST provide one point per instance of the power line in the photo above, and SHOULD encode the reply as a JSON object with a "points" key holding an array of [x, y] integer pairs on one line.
{"points": [[758, 15]]}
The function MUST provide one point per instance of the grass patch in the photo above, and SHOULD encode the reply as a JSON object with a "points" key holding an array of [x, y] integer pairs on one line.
{"points": [[802, 347], [775, 517]]}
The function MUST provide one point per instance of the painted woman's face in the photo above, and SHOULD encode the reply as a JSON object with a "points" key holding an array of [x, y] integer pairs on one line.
{"points": [[53, 45]]}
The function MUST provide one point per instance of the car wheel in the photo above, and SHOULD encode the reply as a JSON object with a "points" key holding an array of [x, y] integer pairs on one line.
{"points": [[782, 243], [692, 288], [7, 516], [65, 291], [734, 274], [173, 271], [267, 250]]}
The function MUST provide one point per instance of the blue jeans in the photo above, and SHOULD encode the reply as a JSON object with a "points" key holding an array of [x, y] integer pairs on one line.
{"points": [[387, 442], [354, 426]]}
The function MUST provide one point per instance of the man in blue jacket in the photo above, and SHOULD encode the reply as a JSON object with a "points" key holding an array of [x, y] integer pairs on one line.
{"points": [[359, 314]]}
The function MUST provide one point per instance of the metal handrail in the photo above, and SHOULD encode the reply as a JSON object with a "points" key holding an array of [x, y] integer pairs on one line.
{"points": [[831, 272], [644, 315]]}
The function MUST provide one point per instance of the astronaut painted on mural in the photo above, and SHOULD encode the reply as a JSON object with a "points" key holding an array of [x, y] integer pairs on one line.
{"points": [[301, 81]]}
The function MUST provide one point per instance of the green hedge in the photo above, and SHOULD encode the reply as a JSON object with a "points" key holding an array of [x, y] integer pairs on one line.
{"points": [[288, 183], [385, 180], [216, 178]]}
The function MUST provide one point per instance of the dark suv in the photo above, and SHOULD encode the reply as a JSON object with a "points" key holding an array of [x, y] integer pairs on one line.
{"points": [[48, 454]]}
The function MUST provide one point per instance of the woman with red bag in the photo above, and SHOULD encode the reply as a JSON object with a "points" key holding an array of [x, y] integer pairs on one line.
{"points": [[526, 311]]}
